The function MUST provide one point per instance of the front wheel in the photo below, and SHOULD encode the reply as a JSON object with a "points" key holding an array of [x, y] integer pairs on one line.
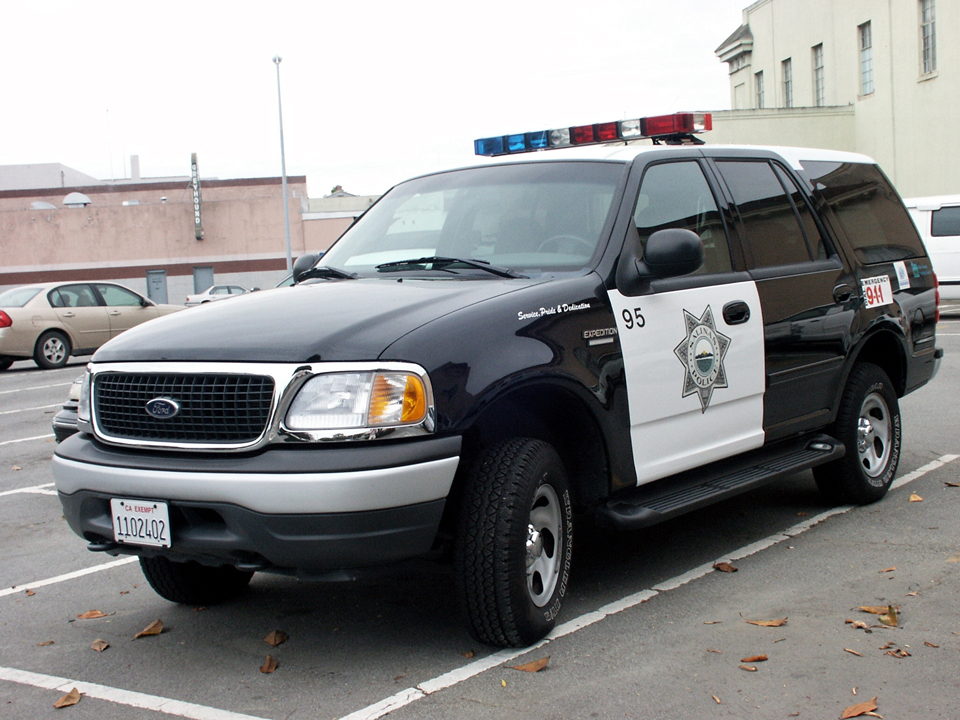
{"points": [[868, 424], [514, 543], [191, 583]]}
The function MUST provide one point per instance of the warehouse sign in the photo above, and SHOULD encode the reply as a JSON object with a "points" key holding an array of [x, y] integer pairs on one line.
{"points": [[197, 227]]}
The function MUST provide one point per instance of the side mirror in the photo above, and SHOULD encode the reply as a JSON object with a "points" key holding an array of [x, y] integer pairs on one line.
{"points": [[668, 253], [254, 289], [304, 263]]}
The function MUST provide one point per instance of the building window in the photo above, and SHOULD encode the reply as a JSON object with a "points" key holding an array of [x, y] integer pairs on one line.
{"points": [[819, 98], [759, 77], [866, 59], [787, 71], [739, 62], [928, 36]]}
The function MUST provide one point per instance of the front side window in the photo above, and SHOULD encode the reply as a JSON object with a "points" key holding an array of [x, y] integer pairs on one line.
{"points": [[787, 69], [866, 59], [774, 230], [819, 94], [117, 296], [759, 83], [528, 217], [928, 37], [676, 195]]}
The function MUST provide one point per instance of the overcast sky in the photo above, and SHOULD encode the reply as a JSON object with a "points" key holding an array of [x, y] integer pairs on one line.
{"points": [[373, 91]]}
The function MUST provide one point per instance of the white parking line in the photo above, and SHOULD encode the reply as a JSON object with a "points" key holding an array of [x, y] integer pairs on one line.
{"points": [[37, 387], [68, 576], [442, 682], [39, 489], [121, 697], [37, 437], [40, 407]]}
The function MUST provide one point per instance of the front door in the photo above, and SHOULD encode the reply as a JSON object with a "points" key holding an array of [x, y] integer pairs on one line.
{"points": [[693, 347]]}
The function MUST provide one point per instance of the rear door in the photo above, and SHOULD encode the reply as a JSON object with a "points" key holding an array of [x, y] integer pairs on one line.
{"points": [[79, 310], [692, 346]]}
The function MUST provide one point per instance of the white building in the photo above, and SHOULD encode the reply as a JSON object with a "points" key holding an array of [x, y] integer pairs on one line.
{"points": [[880, 77]]}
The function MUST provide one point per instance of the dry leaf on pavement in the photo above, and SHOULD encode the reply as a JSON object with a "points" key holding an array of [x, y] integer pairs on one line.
{"points": [[768, 623], [269, 665], [950, 484], [716, 699], [71, 698], [853, 652], [44, 644], [748, 668], [277, 637], [99, 645], [875, 609], [535, 666], [754, 659], [930, 644], [859, 709], [890, 618], [915, 498], [92, 615], [154, 628], [889, 569], [725, 567]]}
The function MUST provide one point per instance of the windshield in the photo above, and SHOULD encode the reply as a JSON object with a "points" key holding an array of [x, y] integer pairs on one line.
{"points": [[528, 217], [18, 297]]}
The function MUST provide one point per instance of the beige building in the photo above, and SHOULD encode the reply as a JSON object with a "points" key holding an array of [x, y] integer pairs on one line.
{"points": [[142, 232], [880, 77]]}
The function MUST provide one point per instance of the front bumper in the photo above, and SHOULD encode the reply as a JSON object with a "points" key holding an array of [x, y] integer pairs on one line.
{"points": [[289, 510]]}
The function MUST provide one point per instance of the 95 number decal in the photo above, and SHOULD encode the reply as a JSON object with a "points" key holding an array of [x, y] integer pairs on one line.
{"points": [[633, 319], [877, 291]]}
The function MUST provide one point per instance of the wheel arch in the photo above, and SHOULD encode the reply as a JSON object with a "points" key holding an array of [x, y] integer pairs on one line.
{"points": [[885, 348]]}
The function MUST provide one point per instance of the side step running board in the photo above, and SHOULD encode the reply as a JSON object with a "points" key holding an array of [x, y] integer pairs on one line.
{"points": [[663, 499]]}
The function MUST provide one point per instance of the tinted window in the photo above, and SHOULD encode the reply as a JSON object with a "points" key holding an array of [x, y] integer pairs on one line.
{"points": [[676, 195], [73, 296], [118, 296], [868, 209], [945, 222], [815, 244], [770, 220]]}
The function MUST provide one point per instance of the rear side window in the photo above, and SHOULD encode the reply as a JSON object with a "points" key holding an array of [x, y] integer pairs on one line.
{"points": [[870, 214], [770, 208], [945, 222]]}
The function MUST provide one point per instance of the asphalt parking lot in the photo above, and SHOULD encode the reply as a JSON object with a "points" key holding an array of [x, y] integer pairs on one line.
{"points": [[651, 629]]}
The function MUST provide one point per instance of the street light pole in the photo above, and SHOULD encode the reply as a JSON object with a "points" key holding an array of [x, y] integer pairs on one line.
{"points": [[283, 169]]}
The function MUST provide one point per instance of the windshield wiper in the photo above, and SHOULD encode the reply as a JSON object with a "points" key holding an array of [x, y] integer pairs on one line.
{"points": [[438, 262], [325, 271]]}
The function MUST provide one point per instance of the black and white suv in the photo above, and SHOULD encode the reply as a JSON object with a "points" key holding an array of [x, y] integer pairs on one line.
{"points": [[490, 355]]}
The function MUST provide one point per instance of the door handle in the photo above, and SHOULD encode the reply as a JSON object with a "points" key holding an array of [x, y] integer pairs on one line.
{"points": [[115, 312], [69, 314], [842, 293], [736, 312]]}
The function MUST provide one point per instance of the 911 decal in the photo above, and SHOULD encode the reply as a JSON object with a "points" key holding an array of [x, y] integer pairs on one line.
{"points": [[877, 291]]}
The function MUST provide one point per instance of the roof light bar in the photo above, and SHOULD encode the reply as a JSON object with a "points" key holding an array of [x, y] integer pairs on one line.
{"points": [[678, 124]]}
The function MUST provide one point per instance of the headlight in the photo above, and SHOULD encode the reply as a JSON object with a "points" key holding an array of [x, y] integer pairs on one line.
{"points": [[83, 407], [359, 400]]}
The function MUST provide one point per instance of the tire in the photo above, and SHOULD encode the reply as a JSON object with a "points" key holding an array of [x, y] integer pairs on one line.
{"points": [[191, 583], [52, 350], [5, 364], [514, 543], [868, 424]]}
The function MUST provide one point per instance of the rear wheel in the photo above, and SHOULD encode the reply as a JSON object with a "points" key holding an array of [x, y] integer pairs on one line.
{"points": [[5, 364], [52, 350], [868, 424], [191, 583], [514, 543]]}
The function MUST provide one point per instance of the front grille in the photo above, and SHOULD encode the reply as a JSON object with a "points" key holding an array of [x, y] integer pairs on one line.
{"points": [[216, 408]]}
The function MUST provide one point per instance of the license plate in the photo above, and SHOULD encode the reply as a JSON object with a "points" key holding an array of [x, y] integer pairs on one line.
{"points": [[140, 522]]}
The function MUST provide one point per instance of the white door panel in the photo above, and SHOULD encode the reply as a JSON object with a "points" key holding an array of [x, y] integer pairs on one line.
{"points": [[694, 383]]}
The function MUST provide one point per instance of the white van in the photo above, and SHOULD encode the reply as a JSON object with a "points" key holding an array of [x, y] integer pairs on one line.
{"points": [[938, 220]]}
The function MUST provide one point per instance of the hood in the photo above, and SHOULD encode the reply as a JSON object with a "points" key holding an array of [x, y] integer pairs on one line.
{"points": [[327, 321]]}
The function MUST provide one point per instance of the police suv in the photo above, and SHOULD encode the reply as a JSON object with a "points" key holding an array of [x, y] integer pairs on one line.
{"points": [[617, 333]]}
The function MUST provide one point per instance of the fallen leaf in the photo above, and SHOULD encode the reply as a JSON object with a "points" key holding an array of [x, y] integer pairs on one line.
{"points": [[858, 624], [890, 619], [269, 665], [716, 699], [16, 468], [30, 593], [801, 514], [889, 569], [725, 567], [754, 659], [154, 628], [915, 498], [913, 594], [468, 654], [930, 644], [887, 646], [92, 615], [503, 683], [876, 609], [44, 644], [99, 645], [859, 709], [950, 484], [748, 668], [898, 653], [853, 652], [124, 592], [713, 622], [714, 651], [769, 623], [71, 698], [277, 637], [532, 667]]}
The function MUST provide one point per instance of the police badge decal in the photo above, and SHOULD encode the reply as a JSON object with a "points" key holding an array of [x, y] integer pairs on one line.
{"points": [[702, 353]]}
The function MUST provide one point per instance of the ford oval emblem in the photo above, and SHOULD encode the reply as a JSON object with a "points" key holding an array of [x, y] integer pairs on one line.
{"points": [[162, 408]]}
